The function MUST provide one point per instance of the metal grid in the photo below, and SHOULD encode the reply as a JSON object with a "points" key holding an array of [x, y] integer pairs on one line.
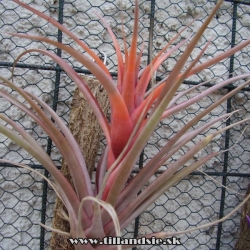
{"points": [[26, 199]]}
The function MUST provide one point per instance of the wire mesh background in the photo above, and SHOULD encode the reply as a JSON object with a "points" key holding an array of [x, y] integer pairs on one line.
{"points": [[25, 199]]}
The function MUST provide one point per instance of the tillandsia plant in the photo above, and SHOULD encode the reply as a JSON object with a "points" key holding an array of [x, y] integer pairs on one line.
{"points": [[113, 202]]}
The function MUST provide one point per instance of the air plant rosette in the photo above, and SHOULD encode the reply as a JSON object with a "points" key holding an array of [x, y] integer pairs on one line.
{"points": [[112, 204]]}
